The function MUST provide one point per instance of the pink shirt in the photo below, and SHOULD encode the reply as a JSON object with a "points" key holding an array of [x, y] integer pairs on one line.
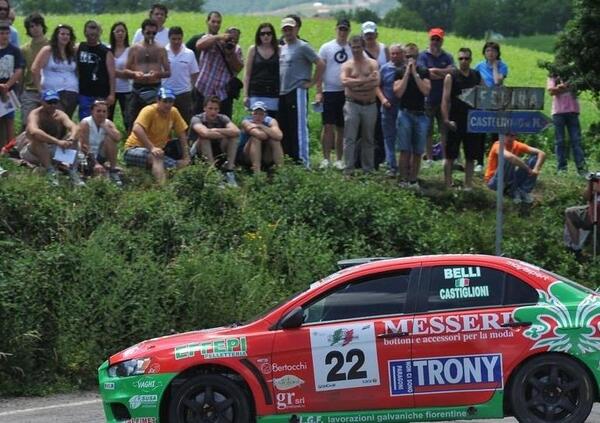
{"points": [[563, 103]]}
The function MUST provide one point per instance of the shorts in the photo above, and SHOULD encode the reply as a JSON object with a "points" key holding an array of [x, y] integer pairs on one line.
{"points": [[138, 156], [434, 112], [333, 108], [472, 145], [412, 131], [26, 154]]}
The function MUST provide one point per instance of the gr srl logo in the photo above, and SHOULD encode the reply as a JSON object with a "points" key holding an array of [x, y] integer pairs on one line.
{"points": [[446, 374], [138, 401]]}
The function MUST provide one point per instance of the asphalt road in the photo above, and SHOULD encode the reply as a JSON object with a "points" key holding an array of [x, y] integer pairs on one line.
{"points": [[87, 407]]}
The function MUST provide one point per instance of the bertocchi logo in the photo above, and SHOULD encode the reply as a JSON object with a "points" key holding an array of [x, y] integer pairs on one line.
{"points": [[345, 336]]}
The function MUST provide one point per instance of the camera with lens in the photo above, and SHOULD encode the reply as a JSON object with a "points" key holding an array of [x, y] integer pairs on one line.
{"points": [[229, 45]]}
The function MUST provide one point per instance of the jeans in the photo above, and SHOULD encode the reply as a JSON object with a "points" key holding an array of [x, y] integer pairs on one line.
{"points": [[412, 132], [570, 121], [515, 178], [388, 126]]}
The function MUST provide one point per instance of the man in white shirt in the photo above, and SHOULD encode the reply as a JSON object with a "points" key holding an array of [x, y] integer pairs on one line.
{"points": [[184, 72], [158, 13], [331, 94]]}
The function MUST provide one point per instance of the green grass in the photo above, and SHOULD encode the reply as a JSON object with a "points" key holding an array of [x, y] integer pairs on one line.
{"points": [[522, 59], [544, 43]]}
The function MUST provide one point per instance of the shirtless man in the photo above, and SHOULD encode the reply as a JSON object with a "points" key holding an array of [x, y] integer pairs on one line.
{"points": [[146, 64], [360, 78], [47, 129]]}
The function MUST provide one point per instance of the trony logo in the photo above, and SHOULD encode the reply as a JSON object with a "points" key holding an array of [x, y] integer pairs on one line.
{"points": [[446, 374]]}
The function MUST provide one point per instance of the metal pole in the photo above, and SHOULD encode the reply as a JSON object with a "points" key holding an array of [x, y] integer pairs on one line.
{"points": [[499, 194], [595, 229]]}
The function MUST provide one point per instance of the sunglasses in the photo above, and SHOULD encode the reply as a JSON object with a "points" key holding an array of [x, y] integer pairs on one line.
{"points": [[343, 28], [264, 34], [150, 33], [410, 56], [52, 102], [167, 100], [462, 59], [4, 8]]}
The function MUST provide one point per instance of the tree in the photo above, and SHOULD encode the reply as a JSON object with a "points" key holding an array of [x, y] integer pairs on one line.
{"points": [[401, 17], [475, 18], [578, 48], [359, 14], [435, 13]]}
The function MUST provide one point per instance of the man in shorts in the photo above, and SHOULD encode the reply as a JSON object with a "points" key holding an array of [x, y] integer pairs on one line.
{"points": [[215, 134], [150, 146], [47, 129], [261, 139], [99, 138]]}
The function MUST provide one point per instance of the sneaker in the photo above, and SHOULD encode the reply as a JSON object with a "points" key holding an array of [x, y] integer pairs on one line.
{"points": [[583, 172], [517, 197], [526, 197], [478, 169], [230, 179], [390, 173], [403, 184], [52, 176], [76, 179], [427, 163], [338, 164], [324, 164], [414, 186], [3, 172], [115, 177]]}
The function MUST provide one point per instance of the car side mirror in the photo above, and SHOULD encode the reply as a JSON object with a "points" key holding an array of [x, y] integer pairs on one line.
{"points": [[293, 319]]}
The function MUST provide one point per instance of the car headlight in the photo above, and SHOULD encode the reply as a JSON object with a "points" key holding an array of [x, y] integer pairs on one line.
{"points": [[136, 366]]}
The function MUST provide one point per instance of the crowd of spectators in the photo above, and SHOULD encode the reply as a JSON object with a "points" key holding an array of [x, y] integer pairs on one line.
{"points": [[381, 106]]}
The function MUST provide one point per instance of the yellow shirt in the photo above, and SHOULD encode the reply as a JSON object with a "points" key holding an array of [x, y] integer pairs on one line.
{"points": [[158, 127]]}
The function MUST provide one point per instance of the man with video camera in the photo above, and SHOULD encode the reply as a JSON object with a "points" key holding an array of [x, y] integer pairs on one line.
{"points": [[579, 220]]}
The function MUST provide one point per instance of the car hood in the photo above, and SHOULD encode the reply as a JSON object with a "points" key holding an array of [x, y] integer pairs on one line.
{"points": [[153, 346]]}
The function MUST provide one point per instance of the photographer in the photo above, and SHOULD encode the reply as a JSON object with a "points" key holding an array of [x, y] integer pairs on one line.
{"points": [[220, 61], [579, 220]]}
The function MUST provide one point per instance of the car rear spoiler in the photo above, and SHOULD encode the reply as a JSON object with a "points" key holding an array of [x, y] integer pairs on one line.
{"points": [[342, 264]]}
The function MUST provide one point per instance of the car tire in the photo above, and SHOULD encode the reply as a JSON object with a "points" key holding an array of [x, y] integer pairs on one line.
{"points": [[209, 398], [551, 388]]}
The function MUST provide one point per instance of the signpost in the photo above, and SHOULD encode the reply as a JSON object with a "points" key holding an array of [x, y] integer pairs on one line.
{"points": [[506, 110]]}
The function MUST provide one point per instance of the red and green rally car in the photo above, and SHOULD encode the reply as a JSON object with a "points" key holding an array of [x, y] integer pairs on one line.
{"points": [[450, 337]]}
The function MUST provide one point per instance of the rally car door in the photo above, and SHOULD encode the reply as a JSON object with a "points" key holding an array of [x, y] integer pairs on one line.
{"points": [[337, 360], [464, 340]]}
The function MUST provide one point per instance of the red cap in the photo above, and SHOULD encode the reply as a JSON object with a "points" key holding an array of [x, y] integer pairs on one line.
{"points": [[436, 32]]}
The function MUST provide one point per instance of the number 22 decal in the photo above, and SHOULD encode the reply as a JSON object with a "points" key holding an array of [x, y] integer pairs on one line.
{"points": [[344, 356], [354, 372]]}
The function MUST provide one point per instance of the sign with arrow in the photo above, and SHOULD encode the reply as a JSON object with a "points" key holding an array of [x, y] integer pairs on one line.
{"points": [[504, 98], [518, 122]]}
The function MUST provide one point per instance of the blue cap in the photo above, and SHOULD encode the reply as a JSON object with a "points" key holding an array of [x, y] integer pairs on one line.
{"points": [[259, 105], [166, 93], [50, 95]]}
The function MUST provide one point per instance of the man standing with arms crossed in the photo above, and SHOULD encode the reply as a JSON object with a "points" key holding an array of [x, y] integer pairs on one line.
{"points": [[295, 64], [360, 77]]}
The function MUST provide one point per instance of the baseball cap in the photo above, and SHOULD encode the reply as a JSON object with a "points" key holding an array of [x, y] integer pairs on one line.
{"points": [[436, 32], [288, 22], [259, 105], [369, 27], [49, 95], [166, 93], [343, 22]]}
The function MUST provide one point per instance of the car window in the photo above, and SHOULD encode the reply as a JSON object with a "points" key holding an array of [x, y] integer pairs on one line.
{"points": [[376, 296], [454, 287]]}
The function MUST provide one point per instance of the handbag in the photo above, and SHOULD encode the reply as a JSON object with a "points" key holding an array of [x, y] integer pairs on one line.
{"points": [[234, 86]]}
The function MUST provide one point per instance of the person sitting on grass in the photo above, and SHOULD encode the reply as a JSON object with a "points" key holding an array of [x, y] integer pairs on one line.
{"points": [[99, 138], [580, 220], [149, 144], [260, 143], [519, 175], [214, 134]]}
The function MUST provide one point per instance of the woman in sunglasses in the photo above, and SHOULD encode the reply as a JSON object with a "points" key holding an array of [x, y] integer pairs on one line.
{"points": [[55, 68], [261, 81]]}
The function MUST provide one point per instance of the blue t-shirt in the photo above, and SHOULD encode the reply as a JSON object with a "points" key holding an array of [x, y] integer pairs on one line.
{"points": [[11, 59], [244, 137], [388, 76], [487, 72], [428, 60]]}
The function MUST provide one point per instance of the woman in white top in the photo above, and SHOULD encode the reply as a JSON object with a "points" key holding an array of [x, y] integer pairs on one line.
{"points": [[55, 68], [119, 45]]}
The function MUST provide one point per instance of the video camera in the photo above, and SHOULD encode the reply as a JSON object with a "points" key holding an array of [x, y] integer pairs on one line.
{"points": [[593, 176]]}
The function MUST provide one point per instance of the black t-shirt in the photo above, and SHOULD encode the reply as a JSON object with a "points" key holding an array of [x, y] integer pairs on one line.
{"points": [[93, 73], [264, 80], [413, 99], [458, 108], [191, 44]]}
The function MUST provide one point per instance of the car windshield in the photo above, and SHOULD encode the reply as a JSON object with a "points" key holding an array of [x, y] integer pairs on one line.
{"points": [[570, 282]]}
